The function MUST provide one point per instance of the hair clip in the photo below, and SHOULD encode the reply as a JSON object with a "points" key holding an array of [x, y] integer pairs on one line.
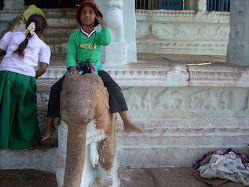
{"points": [[30, 29]]}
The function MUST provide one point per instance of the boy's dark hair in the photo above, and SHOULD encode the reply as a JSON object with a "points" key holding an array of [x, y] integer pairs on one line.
{"points": [[31, 2], [40, 23]]}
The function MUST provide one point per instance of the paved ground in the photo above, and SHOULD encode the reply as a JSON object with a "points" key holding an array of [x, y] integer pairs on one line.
{"points": [[27, 178], [145, 177], [162, 177]]}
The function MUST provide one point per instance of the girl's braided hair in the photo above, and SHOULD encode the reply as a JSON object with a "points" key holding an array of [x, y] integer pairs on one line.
{"points": [[40, 23]]}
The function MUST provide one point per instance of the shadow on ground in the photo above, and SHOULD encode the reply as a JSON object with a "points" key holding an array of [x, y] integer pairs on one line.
{"points": [[27, 178]]}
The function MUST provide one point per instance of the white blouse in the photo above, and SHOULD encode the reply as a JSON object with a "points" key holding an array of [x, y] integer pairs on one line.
{"points": [[35, 52]]}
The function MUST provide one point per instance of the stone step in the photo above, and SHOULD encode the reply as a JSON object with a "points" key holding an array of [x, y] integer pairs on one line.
{"points": [[164, 141], [222, 128], [59, 32], [59, 13], [43, 158], [58, 48], [61, 22], [164, 144], [54, 42], [174, 156]]}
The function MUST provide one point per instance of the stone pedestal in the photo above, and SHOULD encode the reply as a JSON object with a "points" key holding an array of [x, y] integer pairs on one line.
{"points": [[13, 4], [238, 45], [93, 174]]}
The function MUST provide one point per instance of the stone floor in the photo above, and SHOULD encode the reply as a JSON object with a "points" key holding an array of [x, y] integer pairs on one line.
{"points": [[144, 177], [162, 177]]}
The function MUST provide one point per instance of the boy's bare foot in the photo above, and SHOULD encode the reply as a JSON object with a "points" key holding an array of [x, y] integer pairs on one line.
{"points": [[130, 127], [49, 130]]}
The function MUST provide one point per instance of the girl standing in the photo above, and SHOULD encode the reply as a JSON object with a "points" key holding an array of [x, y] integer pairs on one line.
{"points": [[22, 53]]}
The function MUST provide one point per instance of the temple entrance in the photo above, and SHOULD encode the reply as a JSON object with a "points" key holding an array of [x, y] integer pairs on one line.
{"points": [[59, 3], [1, 5]]}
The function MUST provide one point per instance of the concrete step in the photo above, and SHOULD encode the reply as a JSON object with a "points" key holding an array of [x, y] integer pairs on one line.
{"points": [[54, 42], [58, 47], [59, 32], [59, 13], [169, 140], [43, 158]]}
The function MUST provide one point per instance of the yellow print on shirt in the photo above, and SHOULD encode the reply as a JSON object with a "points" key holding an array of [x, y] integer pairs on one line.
{"points": [[88, 46]]}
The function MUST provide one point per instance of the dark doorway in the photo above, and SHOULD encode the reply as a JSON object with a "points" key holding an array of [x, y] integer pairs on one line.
{"points": [[1, 5], [59, 3]]}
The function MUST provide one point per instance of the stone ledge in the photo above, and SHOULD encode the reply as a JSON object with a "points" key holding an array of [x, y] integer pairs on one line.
{"points": [[164, 157], [185, 15], [155, 70], [40, 159]]}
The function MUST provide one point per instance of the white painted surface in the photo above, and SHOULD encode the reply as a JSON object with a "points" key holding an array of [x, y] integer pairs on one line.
{"points": [[13, 4], [89, 173], [238, 48], [44, 160]]}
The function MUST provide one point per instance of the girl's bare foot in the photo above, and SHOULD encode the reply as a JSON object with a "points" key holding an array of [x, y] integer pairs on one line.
{"points": [[49, 130], [130, 127], [34, 146]]}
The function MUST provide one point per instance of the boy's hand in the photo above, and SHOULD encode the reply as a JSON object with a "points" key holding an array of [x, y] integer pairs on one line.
{"points": [[101, 21], [73, 70]]}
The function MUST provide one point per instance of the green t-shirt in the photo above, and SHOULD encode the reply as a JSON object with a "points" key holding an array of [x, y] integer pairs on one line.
{"points": [[82, 47], [31, 10]]}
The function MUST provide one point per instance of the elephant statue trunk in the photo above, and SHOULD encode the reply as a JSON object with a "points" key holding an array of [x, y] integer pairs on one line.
{"points": [[74, 162], [84, 98]]}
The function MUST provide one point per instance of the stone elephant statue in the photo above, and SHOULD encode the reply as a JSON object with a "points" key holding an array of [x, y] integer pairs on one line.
{"points": [[84, 98]]}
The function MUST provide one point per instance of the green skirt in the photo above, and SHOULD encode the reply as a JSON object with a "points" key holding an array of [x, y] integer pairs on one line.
{"points": [[19, 127]]}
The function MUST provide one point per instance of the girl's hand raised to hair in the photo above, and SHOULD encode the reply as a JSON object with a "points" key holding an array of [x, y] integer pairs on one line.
{"points": [[101, 21]]}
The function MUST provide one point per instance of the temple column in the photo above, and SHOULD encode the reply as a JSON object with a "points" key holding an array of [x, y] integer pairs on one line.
{"points": [[202, 5], [13, 4], [238, 45], [120, 16]]}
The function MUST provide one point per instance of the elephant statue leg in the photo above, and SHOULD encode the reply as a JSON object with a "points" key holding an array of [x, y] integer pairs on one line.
{"points": [[107, 147]]}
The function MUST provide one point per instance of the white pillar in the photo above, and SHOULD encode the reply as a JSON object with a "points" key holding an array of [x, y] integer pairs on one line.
{"points": [[13, 4], [238, 45], [202, 5], [120, 16]]}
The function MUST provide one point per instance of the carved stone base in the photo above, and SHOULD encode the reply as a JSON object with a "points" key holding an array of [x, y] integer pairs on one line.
{"points": [[92, 176]]}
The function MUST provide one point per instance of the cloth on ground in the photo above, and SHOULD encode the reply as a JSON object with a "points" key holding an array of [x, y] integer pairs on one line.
{"points": [[213, 182], [227, 166]]}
